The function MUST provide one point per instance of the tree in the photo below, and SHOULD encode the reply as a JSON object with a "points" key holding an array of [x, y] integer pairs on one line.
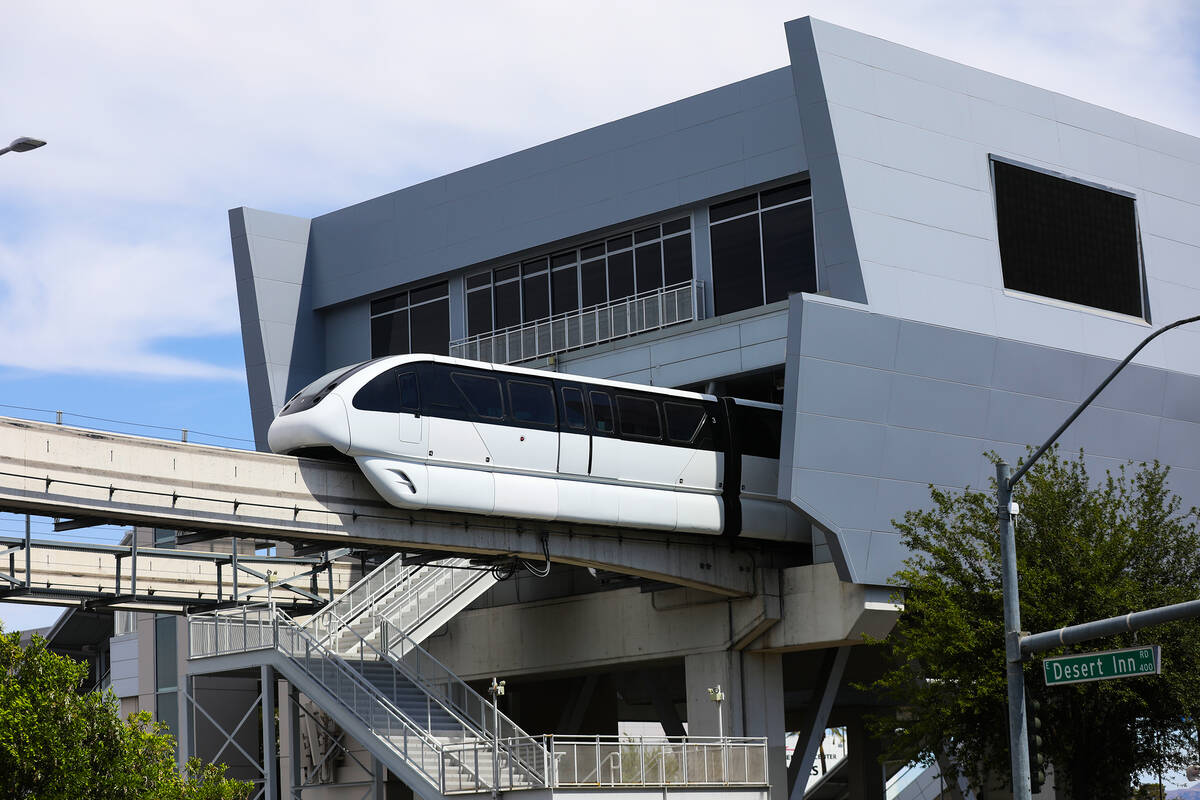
{"points": [[1084, 552], [56, 742]]}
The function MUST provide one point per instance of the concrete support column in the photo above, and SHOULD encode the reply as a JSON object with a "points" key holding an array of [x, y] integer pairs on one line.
{"points": [[762, 713], [706, 671], [862, 762]]}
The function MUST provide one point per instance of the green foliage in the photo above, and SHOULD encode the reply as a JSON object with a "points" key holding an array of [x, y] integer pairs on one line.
{"points": [[1084, 552], [56, 742]]}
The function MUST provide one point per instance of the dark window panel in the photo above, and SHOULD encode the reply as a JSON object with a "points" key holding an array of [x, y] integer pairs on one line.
{"points": [[537, 297], [574, 414], [788, 258], [381, 393], [736, 265], [733, 208], [786, 194], [431, 292], [676, 225], [479, 311], [602, 412], [531, 401], [439, 395], [482, 393], [759, 430], [639, 417], [683, 421], [1068, 241], [620, 275], [430, 325], [534, 265], [389, 335], [620, 242], [564, 285], [562, 259], [646, 234], [507, 273], [389, 303], [593, 283], [677, 259], [166, 665], [507, 305], [482, 279], [410, 398], [592, 250], [649, 267]]}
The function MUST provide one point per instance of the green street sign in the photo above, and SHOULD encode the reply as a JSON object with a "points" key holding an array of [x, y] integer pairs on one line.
{"points": [[1102, 666]]}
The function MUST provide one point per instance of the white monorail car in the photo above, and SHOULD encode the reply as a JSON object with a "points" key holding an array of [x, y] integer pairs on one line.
{"points": [[443, 433]]}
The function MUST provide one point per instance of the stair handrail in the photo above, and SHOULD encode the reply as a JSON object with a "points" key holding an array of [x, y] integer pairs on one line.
{"points": [[450, 567], [369, 590], [274, 618], [394, 638]]}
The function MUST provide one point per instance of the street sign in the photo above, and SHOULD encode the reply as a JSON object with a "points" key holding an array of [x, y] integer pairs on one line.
{"points": [[1086, 667]]}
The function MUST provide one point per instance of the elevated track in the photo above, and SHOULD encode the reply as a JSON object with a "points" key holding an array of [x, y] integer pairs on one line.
{"points": [[75, 473]]}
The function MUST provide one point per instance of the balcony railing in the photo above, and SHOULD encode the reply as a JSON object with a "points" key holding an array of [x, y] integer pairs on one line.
{"points": [[648, 311]]}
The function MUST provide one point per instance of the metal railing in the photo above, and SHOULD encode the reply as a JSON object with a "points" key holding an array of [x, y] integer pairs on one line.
{"points": [[264, 627], [362, 596], [428, 592], [647, 311]]}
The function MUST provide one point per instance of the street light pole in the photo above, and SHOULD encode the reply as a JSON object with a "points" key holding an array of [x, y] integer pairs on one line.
{"points": [[22, 144], [1018, 732]]}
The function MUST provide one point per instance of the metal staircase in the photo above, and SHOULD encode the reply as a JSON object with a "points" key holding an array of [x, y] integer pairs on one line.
{"points": [[424, 724], [415, 599]]}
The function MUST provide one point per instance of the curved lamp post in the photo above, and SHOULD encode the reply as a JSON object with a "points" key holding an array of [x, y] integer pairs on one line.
{"points": [[22, 144]]}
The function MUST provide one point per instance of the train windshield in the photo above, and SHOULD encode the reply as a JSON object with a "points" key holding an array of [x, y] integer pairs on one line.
{"points": [[315, 392]]}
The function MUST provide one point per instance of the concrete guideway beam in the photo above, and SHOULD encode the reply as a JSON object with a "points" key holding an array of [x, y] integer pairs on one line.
{"points": [[60, 471]]}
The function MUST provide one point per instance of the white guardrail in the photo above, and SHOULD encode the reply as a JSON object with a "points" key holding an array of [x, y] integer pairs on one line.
{"points": [[658, 308]]}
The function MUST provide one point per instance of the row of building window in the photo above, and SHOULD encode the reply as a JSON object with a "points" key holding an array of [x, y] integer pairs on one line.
{"points": [[762, 249]]}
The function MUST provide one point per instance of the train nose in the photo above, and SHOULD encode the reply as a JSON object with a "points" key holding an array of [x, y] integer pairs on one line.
{"points": [[324, 425]]}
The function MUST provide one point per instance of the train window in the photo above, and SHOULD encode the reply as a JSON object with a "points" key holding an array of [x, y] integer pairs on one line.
{"points": [[410, 400], [532, 402], [482, 392], [683, 421], [439, 396], [602, 413], [379, 394], [574, 414], [759, 431], [639, 417]]}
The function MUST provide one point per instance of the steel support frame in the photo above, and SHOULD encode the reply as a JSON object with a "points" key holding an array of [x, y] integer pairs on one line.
{"points": [[374, 785], [268, 782]]}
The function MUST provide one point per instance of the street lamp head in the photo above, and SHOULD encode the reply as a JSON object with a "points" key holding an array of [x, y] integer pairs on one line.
{"points": [[23, 144]]}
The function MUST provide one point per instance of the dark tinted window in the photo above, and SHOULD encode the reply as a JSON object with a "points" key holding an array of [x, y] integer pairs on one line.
{"points": [[649, 267], [1068, 241], [787, 243], [479, 311], [537, 296], [430, 327], [439, 396], [593, 285], [677, 259], [389, 335], [602, 413], [312, 394], [758, 431], [675, 226], [736, 255], [565, 288], [410, 399], [646, 234], [507, 303], [531, 402], [684, 421], [639, 417], [431, 292], [574, 415], [380, 394], [786, 194], [482, 392], [620, 275], [733, 208]]}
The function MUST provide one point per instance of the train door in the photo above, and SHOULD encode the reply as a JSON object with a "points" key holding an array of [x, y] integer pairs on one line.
{"points": [[574, 440], [411, 424], [531, 438]]}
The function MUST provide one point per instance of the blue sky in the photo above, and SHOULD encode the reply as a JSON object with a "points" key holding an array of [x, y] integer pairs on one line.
{"points": [[117, 297]]}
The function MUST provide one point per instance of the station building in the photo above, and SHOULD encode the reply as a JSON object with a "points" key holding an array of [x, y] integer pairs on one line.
{"points": [[920, 260]]}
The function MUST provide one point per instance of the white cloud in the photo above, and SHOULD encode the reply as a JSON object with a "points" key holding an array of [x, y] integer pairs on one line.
{"points": [[160, 119]]}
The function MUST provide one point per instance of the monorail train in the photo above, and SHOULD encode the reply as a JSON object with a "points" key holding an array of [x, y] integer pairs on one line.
{"points": [[443, 433]]}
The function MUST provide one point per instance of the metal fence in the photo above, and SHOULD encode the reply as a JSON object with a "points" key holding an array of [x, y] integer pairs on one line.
{"points": [[602, 761], [658, 308]]}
